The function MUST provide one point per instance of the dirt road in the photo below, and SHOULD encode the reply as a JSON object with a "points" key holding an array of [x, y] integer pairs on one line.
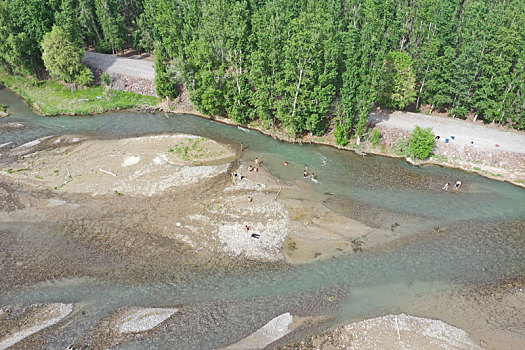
{"points": [[465, 133], [133, 68]]}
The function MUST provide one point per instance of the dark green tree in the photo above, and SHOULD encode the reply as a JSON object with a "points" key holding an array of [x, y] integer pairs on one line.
{"points": [[64, 57], [165, 82], [398, 90], [109, 15]]}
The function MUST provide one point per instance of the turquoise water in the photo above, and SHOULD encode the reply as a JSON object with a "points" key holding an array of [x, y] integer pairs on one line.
{"points": [[483, 240]]}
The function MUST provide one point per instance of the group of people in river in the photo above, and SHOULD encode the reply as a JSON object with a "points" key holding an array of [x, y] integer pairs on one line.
{"points": [[257, 162], [457, 186], [305, 172]]}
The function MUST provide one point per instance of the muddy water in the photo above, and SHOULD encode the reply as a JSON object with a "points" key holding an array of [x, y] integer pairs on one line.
{"points": [[457, 239]]}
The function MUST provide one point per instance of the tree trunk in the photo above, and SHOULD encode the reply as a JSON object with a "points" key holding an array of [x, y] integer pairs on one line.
{"points": [[422, 85], [297, 92]]}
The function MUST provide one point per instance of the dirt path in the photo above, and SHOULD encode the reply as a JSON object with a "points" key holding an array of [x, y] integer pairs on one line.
{"points": [[133, 68], [483, 138]]}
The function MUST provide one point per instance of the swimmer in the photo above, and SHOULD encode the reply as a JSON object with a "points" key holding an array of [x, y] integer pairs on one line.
{"points": [[305, 174], [324, 161], [257, 162], [457, 185], [285, 163], [447, 185], [305, 167], [313, 176], [242, 146]]}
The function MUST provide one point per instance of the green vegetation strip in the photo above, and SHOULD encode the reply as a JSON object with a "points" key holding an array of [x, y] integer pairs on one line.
{"points": [[52, 98]]}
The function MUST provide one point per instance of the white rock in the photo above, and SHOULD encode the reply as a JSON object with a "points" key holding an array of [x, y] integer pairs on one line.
{"points": [[132, 160], [50, 315], [277, 328], [143, 319], [406, 332]]}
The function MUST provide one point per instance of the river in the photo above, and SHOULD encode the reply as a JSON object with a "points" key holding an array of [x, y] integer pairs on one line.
{"points": [[483, 241]]}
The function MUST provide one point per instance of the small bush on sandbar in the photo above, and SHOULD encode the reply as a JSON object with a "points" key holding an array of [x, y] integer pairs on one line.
{"points": [[422, 142]]}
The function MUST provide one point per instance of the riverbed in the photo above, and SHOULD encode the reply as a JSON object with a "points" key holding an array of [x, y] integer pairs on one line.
{"points": [[425, 251]]}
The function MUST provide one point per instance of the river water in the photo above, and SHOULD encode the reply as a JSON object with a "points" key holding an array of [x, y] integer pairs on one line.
{"points": [[483, 240]]}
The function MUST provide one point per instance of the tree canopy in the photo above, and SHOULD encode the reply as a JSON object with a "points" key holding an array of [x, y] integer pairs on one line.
{"points": [[308, 65]]}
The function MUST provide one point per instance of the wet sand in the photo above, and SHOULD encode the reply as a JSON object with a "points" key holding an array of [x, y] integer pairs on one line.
{"points": [[146, 209]]}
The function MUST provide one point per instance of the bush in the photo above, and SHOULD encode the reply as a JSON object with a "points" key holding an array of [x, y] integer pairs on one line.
{"points": [[105, 79], [376, 138], [402, 148], [85, 77], [341, 135], [422, 142]]}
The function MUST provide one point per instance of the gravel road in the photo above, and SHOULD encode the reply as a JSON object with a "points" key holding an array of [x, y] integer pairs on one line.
{"points": [[464, 132], [134, 68]]}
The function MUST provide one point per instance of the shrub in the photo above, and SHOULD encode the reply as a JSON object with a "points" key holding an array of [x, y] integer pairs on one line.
{"points": [[85, 77], [341, 135], [376, 138], [402, 148], [422, 142], [105, 78]]}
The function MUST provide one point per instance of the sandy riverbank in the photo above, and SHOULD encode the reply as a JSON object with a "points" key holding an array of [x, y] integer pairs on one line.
{"points": [[183, 185], [146, 208], [136, 221]]}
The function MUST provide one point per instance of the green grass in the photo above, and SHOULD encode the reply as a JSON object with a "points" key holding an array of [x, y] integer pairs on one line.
{"points": [[52, 98], [11, 171]]}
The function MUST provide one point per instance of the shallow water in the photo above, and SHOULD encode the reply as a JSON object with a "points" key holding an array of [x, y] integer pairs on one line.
{"points": [[483, 240]]}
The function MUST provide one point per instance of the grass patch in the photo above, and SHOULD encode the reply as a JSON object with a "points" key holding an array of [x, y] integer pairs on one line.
{"points": [[11, 171], [189, 149], [477, 168], [52, 98]]}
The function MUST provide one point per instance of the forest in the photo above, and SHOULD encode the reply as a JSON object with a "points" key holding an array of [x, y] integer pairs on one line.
{"points": [[308, 66]]}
